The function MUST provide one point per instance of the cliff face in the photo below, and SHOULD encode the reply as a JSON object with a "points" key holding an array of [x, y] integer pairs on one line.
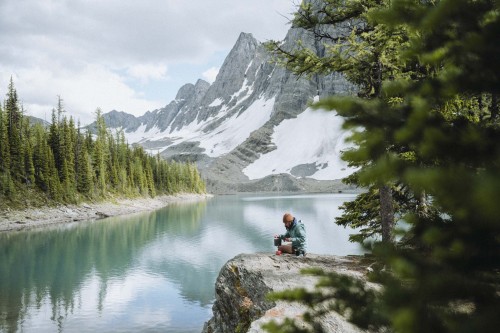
{"points": [[241, 288]]}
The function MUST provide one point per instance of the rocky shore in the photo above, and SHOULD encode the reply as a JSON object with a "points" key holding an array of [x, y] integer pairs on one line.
{"points": [[11, 220]]}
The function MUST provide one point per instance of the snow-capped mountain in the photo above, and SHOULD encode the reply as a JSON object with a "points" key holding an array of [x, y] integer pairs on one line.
{"points": [[252, 129]]}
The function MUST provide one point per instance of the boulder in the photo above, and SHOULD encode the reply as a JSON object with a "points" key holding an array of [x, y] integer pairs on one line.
{"points": [[244, 281]]}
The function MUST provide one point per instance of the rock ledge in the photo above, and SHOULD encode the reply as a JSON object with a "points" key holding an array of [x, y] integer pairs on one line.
{"points": [[241, 288]]}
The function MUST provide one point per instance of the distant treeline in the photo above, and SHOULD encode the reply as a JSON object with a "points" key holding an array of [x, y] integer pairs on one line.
{"points": [[60, 163]]}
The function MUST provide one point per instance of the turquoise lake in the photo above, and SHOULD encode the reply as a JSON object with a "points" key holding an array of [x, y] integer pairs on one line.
{"points": [[148, 272]]}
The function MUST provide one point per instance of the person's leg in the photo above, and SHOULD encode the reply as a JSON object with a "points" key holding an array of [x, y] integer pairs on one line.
{"points": [[285, 248]]}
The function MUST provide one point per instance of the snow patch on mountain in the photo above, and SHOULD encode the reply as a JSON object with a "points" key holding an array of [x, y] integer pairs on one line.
{"points": [[324, 144], [230, 133], [237, 129], [142, 133], [218, 101]]}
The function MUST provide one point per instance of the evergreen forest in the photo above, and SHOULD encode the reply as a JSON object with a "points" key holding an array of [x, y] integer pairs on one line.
{"points": [[59, 163]]}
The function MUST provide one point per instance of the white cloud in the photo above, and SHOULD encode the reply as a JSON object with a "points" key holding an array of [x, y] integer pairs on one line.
{"points": [[146, 72], [210, 74], [114, 54], [83, 91]]}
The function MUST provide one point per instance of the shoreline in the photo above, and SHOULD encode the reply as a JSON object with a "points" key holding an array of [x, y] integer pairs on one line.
{"points": [[30, 218]]}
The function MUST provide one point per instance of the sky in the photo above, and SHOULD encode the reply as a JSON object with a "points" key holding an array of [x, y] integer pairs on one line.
{"points": [[125, 55]]}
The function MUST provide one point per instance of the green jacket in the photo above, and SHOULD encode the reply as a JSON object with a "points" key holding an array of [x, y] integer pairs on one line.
{"points": [[297, 234]]}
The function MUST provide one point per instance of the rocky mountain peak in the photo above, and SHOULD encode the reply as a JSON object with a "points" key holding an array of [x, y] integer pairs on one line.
{"points": [[201, 87], [202, 84], [245, 42], [118, 119], [233, 70], [185, 92]]}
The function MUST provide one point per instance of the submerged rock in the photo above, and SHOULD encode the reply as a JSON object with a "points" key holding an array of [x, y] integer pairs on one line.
{"points": [[244, 281]]}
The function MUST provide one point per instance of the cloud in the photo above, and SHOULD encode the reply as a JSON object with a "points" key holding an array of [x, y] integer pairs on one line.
{"points": [[83, 91], [146, 72], [210, 74], [113, 54]]}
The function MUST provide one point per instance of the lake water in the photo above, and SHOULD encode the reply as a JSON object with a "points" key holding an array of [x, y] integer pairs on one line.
{"points": [[148, 272]]}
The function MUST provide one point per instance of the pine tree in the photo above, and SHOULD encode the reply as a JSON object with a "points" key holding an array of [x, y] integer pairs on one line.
{"points": [[68, 180], [447, 278], [14, 123], [4, 144], [100, 154], [457, 273], [70, 134], [29, 167], [55, 141], [149, 177], [85, 177], [54, 189], [40, 161], [6, 183]]}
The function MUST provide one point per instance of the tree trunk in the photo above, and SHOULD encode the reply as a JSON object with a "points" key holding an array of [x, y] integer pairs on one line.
{"points": [[386, 213], [423, 208]]}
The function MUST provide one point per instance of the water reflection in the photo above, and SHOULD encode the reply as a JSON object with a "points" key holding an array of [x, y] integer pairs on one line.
{"points": [[152, 271]]}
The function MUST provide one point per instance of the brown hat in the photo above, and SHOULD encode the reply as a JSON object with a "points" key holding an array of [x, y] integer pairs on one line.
{"points": [[287, 217]]}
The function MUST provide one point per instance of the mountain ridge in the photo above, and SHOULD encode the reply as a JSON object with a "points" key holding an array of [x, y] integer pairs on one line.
{"points": [[239, 126]]}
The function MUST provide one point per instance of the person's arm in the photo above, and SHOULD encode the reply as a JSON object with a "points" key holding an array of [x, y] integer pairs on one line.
{"points": [[283, 236], [300, 236]]}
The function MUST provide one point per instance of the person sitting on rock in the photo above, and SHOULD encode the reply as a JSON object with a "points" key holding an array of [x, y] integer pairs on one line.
{"points": [[295, 233]]}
